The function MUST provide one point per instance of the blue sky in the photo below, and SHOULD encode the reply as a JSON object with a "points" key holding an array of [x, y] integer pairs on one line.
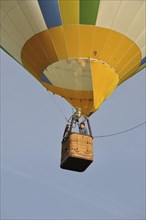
{"points": [[32, 184]]}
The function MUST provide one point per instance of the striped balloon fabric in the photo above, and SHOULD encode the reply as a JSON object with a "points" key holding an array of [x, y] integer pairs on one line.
{"points": [[79, 49]]}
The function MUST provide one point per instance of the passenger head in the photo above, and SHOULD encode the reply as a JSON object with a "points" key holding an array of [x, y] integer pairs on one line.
{"points": [[82, 125]]}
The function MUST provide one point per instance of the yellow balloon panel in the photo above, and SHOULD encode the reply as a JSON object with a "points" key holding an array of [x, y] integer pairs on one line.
{"points": [[130, 68], [85, 105], [104, 79], [127, 67], [72, 40], [98, 41], [85, 40], [69, 11], [112, 41], [116, 50], [38, 52], [58, 39]]}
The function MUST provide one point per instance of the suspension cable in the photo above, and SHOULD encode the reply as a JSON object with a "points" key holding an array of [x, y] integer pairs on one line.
{"points": [[121, 132], [58, 107]]}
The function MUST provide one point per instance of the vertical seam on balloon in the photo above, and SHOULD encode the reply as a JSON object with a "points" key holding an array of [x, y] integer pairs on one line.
{"points": [[10, 55], [129, 62], [138, 39], [126, 76], [89, 53], [60, 12], [21, 35], [140, 36], [91, 42], [6, 13], [42, 17], [93, 33], [37, 19], [129, 48], [63, 34], [14, 41], [18, 46], [34, 32], [97, 11], [135, 17], [93, 95], [53, 44], [109, 30], [63, 29], [122, 38]]}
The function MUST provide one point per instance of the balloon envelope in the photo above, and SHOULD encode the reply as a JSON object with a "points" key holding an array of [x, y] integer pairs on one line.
{"points": [[80, 49]]}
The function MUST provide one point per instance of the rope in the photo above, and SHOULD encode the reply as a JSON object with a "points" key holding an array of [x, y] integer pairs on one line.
{"points": [[121, 132], [58, 107]]}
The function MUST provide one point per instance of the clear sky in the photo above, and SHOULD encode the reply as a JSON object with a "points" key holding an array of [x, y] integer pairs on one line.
{"points": [[32, 184]]}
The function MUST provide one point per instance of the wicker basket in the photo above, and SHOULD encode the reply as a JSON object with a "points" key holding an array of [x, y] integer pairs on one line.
{"points": [[77, 152]]}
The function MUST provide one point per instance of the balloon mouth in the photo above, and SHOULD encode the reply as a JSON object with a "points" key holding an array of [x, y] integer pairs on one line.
{"points": [[72, 73], [84, 82]]}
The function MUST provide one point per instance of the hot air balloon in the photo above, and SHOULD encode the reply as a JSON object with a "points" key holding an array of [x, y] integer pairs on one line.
{"points": [[81, 50]]}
